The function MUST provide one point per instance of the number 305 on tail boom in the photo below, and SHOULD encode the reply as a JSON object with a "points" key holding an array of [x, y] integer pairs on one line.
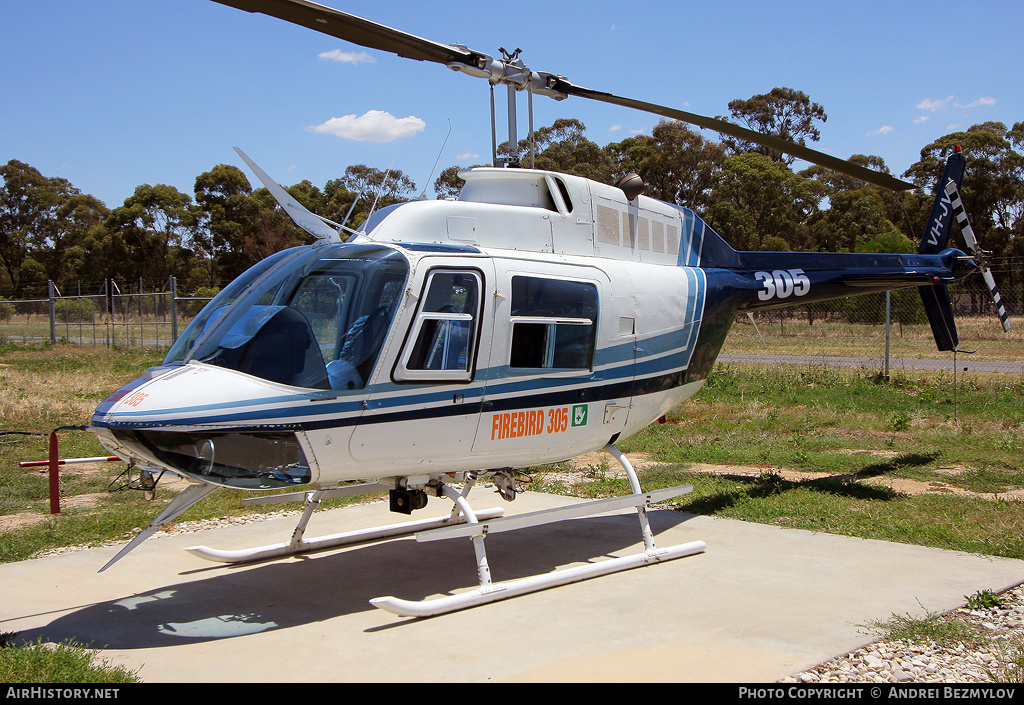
{"points": [[538, 317]]}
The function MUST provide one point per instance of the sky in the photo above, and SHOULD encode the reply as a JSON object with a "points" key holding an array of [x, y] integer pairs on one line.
{"points": [[112, 94]]}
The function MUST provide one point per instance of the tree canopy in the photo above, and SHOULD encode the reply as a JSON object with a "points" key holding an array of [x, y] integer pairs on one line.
{"points": [[49, 230]]}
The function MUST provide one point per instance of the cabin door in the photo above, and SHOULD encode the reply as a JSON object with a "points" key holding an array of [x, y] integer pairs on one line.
{"points": [[422, 408]]}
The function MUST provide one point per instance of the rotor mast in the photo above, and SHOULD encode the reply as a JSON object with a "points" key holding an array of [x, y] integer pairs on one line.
{"points": [[515, 76]]}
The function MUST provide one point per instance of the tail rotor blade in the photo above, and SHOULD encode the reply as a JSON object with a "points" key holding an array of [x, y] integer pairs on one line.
{"points": [[986, 274], [972, 243]]}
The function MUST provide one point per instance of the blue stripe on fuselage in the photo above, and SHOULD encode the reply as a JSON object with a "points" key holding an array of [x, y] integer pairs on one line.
{"points": [[662, 354]]}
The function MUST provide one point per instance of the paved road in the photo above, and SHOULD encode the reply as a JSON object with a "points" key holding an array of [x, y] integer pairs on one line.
{"points": [[963, 362]]}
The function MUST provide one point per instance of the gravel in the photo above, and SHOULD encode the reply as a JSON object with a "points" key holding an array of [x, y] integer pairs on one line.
{"points": [[994, 656]]}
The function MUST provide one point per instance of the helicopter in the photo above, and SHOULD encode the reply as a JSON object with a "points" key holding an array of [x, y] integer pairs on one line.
{"points": [[538, 317]]}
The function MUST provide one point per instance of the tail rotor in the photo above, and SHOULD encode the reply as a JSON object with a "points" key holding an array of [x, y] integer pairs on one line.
{"points": [[979, 254]]}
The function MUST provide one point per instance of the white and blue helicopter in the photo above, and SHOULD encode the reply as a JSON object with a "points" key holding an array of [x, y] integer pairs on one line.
{"points": [[537, 318]]}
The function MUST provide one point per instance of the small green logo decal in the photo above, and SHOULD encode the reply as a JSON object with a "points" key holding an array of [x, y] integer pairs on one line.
{"points": [[579, 415]]}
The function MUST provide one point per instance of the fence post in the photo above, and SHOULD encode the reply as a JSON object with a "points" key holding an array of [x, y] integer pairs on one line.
{"points": [[888, 328], [108, 304], [53, 311], [174, 309]]}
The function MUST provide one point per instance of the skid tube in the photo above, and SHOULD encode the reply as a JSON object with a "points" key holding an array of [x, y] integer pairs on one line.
{"points": [[299, 544], [477, 531]]}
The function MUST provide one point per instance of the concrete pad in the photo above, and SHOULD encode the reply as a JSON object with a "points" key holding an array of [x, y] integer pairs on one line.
{"points": [[759, 604]]}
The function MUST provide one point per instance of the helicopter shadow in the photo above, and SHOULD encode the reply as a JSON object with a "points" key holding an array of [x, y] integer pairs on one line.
{"points": [[292, 592], [770, 484]]}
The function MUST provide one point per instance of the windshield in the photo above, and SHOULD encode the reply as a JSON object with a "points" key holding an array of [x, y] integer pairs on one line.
{"points": [[315, 317]]}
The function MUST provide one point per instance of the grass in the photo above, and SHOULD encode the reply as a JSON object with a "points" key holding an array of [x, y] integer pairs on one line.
{"points": [[776, 334], [67, 662], [849, 426], [945, 630], [957, 631]]}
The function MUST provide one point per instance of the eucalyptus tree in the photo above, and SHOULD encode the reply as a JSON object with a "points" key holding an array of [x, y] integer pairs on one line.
{"points": [[272, 229], [784, 113], [677, 164], [79, 218], [29, 203], [856, 212], [449, 184], [226, 217], [154, 227], [375, 189], [759, 204]]}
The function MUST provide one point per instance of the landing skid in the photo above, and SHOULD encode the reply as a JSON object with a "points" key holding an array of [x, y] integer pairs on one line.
{"points": [[492, 592], [464, 522], [299, 544]]}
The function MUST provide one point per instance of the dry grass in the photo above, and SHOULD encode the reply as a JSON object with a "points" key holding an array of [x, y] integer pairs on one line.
{"points": [[50, 387], [838, 338]]}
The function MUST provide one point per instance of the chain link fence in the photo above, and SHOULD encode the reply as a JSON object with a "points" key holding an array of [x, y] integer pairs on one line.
{"points": [[886, 332], [148, 315], [883, 332]]}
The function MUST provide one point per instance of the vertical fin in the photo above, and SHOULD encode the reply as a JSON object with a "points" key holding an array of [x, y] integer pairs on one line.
{"points": [[935, 298], [940, 221]]}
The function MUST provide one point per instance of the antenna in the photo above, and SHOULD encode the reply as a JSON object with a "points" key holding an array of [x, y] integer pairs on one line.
{"points": [[383, 182], [423, 194], [352, 208]]}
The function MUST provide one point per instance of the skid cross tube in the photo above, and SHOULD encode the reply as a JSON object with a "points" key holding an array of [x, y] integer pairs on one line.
{"points": [[478, 530]]}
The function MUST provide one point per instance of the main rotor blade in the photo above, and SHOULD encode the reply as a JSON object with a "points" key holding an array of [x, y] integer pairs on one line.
{"points": [[377, 36], [353, 29], [733, 130]]}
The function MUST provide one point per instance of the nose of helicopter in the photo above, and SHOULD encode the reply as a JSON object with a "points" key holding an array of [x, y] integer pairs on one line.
{"points": [[206, 423]]}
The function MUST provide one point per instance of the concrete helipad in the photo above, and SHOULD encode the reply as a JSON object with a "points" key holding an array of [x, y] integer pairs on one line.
{"points": [[759, 604]]}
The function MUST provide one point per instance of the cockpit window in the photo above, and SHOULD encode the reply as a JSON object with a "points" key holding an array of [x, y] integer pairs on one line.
{"points": [[317, 319], [212, 311]]}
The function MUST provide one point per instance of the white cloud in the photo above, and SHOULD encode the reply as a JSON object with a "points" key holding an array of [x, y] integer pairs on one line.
{"points": [[986, 101], [919, 120], [615, 128], [883, 130], [347, 57], [371, 126], [467, 156], [933, 105]]}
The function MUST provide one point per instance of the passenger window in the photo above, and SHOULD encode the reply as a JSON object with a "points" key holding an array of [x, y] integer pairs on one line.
{"points": [[554, 324], [443, 342]]}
